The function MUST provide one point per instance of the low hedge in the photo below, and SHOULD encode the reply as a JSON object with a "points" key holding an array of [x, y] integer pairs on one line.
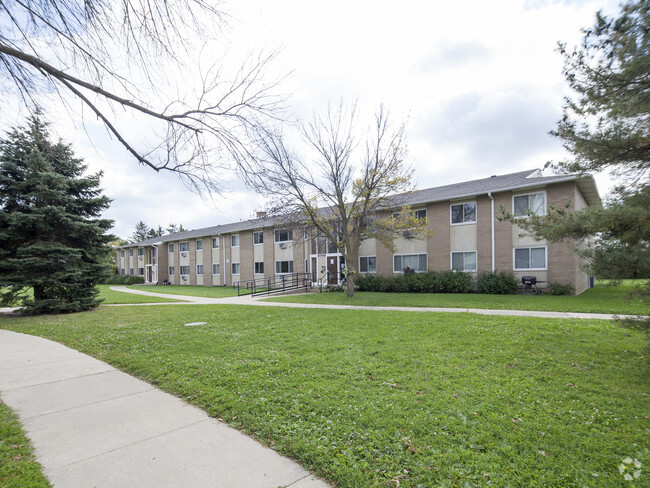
{"points": [[428, 282], [499, 283], [124, 280]]}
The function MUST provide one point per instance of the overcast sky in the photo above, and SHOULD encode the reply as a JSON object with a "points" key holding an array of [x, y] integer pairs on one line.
{"points": [[480, 83]]}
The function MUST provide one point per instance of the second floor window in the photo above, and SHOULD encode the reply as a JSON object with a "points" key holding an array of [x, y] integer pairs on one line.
{"points": [[234, 240], [184, 246], [258, 237], [463, 213], [534, 203], [283, 235], [215, 243], [199, 245]]}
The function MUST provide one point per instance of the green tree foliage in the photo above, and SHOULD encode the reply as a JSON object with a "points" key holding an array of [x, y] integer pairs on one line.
{"points": [[606, 126], [52, 238], [143, 231]]}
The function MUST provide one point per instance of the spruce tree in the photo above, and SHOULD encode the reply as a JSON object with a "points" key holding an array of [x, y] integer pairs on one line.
{"points": [[52, 236]]}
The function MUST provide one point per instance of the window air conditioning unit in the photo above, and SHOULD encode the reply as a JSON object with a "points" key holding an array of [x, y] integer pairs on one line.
{"points": [[283, 245], [139, 258], [408, 234], [184, 254]]}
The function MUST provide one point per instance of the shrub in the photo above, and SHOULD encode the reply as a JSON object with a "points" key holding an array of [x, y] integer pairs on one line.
{"points": [[428, 282], [498, 283], [555, 288], [123, 280]]}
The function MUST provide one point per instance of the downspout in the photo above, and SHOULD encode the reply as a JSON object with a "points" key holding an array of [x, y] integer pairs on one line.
{"points": [[223, 261], [493, 245]]}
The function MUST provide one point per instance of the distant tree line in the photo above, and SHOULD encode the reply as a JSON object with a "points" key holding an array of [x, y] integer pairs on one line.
{"points": [[144, 232]]}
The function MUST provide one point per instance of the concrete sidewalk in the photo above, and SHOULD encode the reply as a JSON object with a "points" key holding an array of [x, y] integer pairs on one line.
{"points": [[92, 425], [248, 300]]}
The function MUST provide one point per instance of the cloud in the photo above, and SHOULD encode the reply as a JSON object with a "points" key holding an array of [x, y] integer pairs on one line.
{"points": [[453, 55]]}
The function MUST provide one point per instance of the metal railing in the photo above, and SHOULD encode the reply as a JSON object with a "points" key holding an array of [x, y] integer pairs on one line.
{"points": [[275, 284]]}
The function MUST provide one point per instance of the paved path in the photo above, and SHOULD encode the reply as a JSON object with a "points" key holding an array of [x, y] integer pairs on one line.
{"points": [[248, 300], [94, 426]]}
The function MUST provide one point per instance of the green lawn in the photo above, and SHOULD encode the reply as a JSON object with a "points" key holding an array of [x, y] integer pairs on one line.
{"points": [[601, 299], [114, 297], [191, 290], [372, 398], [18, 465]]}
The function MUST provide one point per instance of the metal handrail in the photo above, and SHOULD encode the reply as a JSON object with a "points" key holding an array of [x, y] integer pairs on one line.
{"points": [[274, 284]]}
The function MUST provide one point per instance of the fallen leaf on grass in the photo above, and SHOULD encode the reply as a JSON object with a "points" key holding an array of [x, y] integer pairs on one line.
{"points": [[516, 421]]}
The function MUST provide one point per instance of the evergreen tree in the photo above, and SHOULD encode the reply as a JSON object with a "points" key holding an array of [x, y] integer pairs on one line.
{"points": [[606, 126], [52, 238], [142, 232]]}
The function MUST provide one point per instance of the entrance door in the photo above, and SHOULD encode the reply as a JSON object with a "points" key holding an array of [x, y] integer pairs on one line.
{"points": [[149, 274], [314, 265], [332, 270]]}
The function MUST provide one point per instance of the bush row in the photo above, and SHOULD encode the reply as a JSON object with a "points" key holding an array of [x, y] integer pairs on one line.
{"points": [[123, 280], [499, 283]]}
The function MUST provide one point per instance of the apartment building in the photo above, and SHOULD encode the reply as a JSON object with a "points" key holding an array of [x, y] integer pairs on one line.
{"points": [[467, 237]]}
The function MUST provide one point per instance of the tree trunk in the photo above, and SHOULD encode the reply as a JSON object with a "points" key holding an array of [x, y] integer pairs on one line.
{"points": [[349, 284]]}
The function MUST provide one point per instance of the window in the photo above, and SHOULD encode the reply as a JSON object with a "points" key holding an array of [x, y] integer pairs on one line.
{"points": [[171, 271], [122, 271], [368, 264], [416, 262], [259, 267], [418, 214], [131, 271], [283, 267], [141, 251], [283, 235], [235, 268], [199, 245], [534, 203], [122, 253], [463, 213], [140, 271], [215, 243], [170, 247], [216, 269], [199, 269], [185, 270], [130, 252], [530, 258], [234, 240], [184, 247], [463, 261], [258, 237]]}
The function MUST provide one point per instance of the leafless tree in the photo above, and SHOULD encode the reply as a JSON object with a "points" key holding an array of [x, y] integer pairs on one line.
{"points": [[115, 56], [353, 185]]}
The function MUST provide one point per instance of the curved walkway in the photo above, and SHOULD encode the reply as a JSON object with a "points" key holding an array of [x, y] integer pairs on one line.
{"points": [[92, 425], [256, 301]]}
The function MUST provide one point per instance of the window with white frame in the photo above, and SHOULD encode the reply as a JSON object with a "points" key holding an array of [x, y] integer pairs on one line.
{"points": [[199, 245], [463, 213], [368, 264], [216, 269], [530, 258], [122, 253], [235, 268], [234, 240], [258, 237], [184, 246], [171, 271], [416, 262], [131, 271], [418, 214], [140, 271], [141, 251], [130, 252], [283, 235], [283, 267], [199, 269], [259, 267], [170, 248], [122, 271], [185, 270], [532, 203], [215, 243], [463, 261]]}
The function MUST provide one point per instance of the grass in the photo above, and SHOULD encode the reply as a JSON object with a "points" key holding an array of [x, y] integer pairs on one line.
{"points": [[371, 398], [18, 465], [191, 290], [601, 299], [116, 297]]}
